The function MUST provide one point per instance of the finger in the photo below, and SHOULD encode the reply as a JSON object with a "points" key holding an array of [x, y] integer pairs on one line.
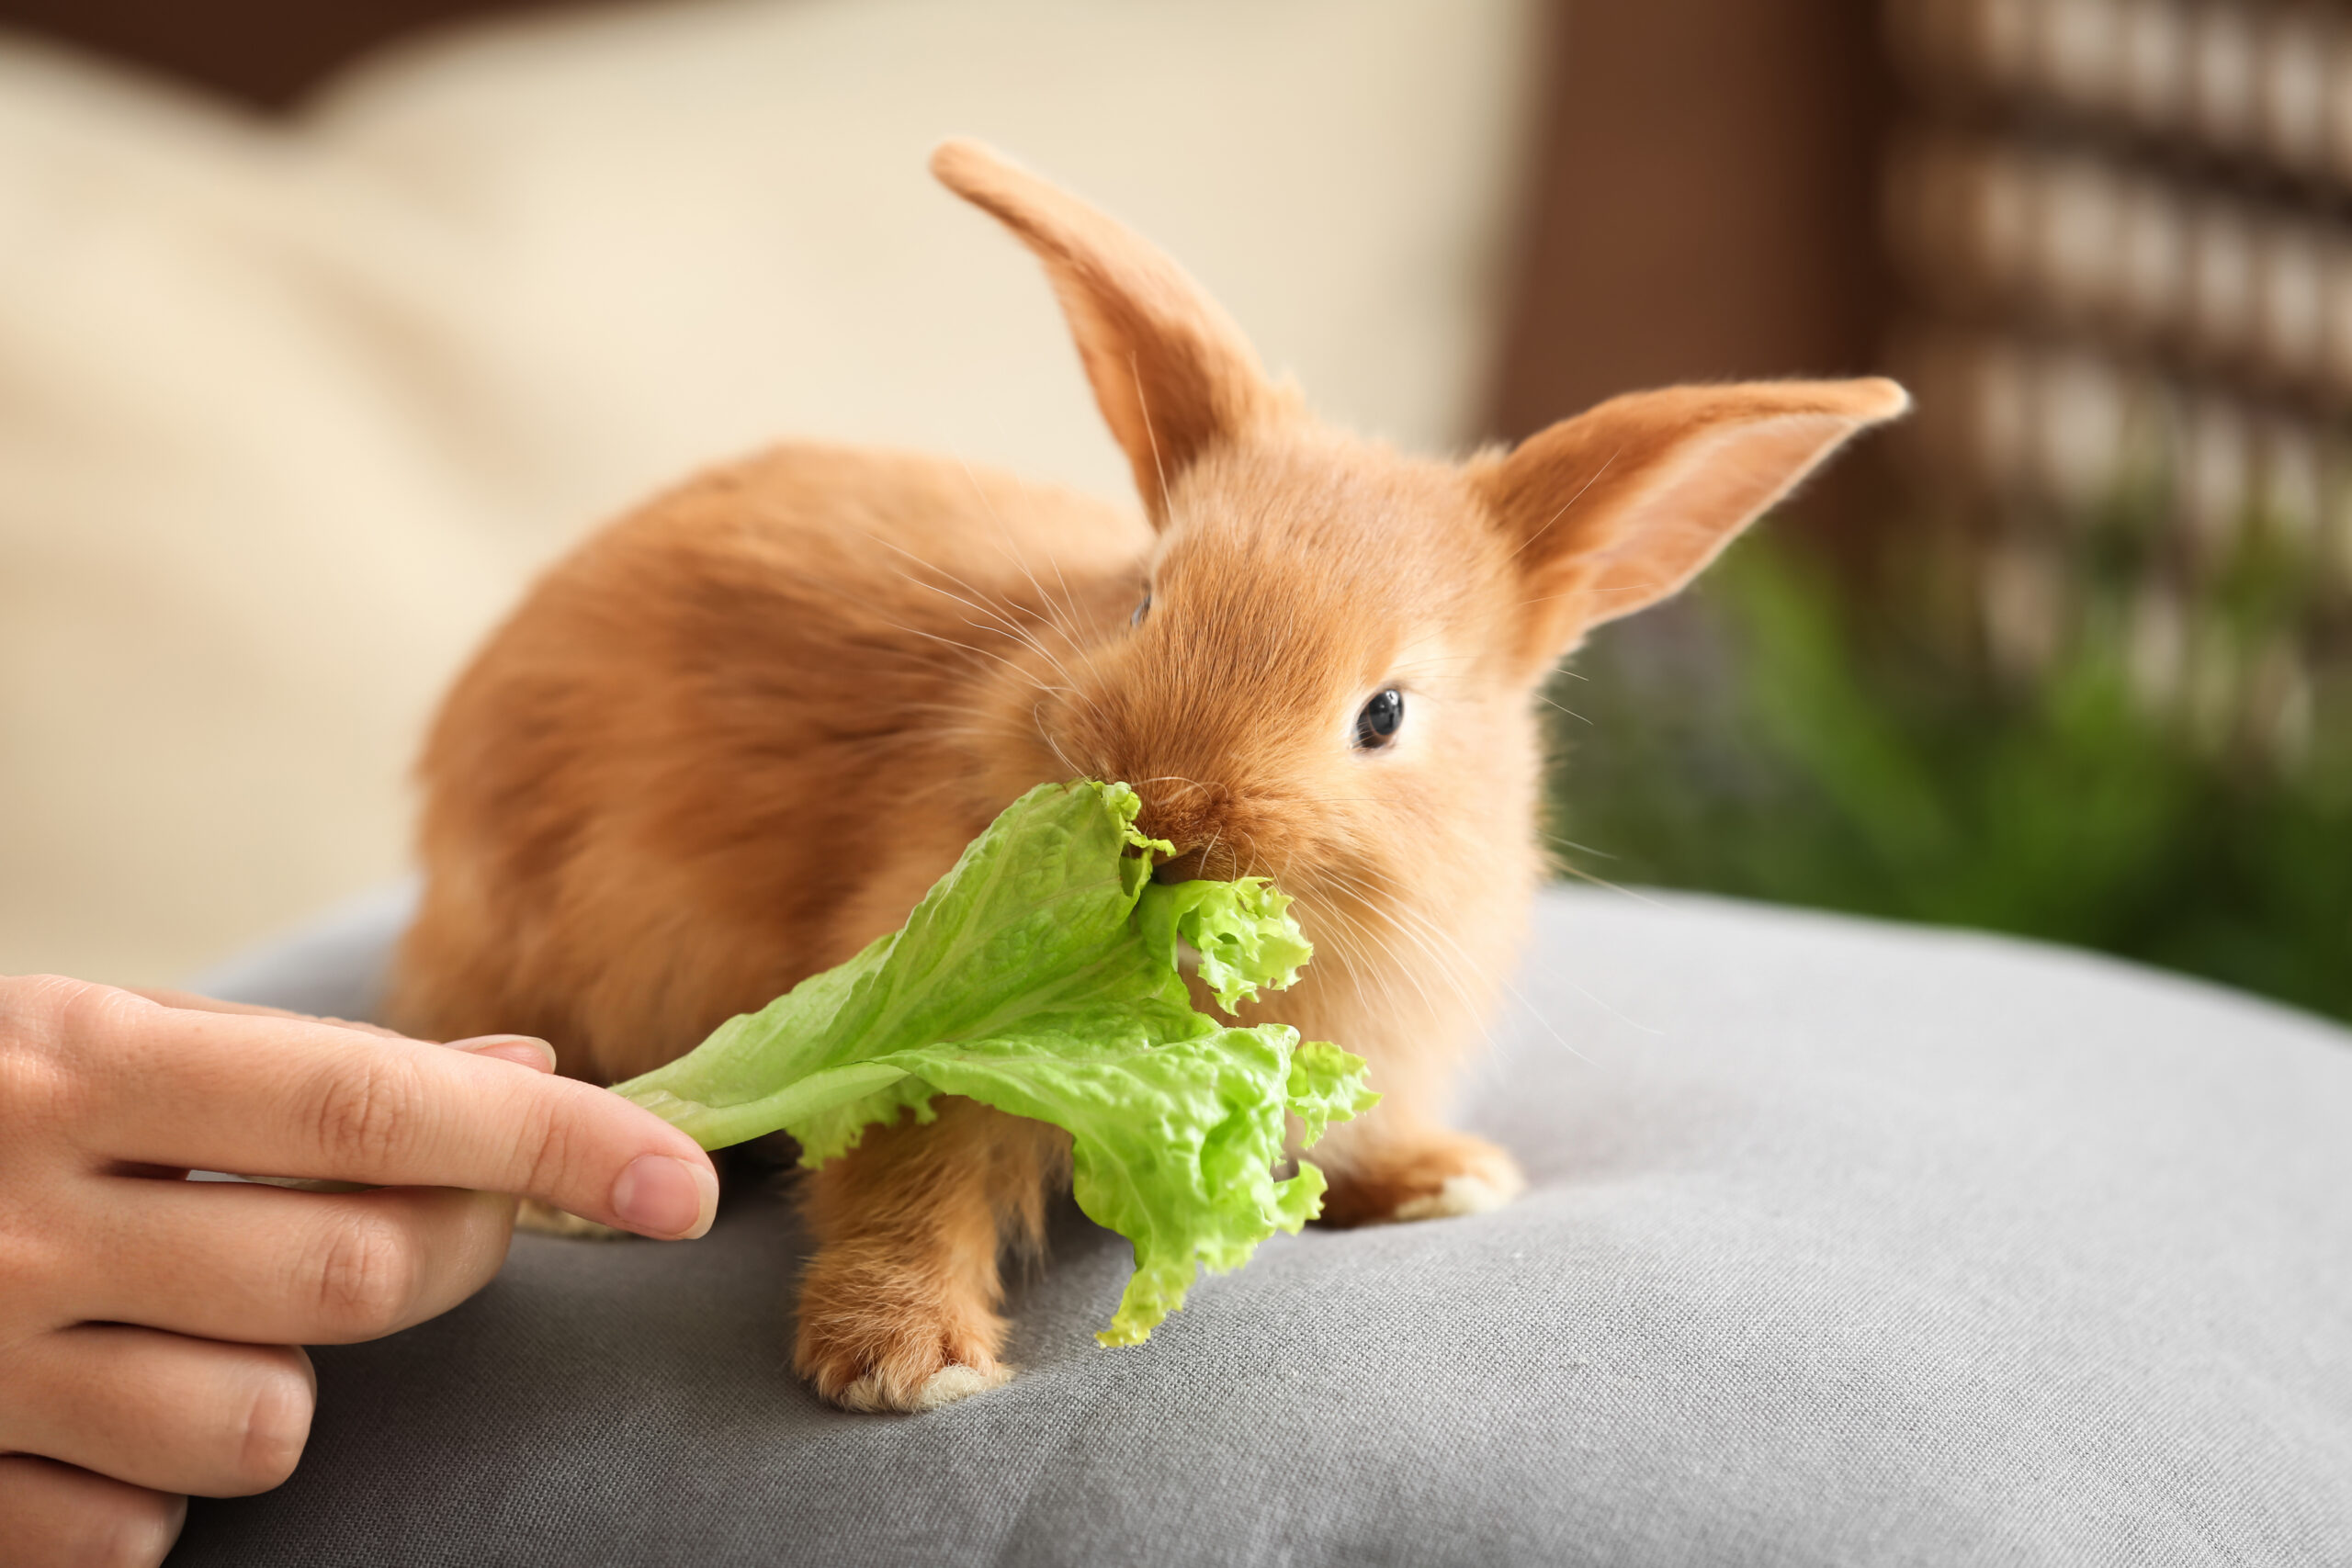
{"points": [[51, 1513], [525, 1050], [228, 1260], [165, 997], [158, 1410], [283, 1097]]}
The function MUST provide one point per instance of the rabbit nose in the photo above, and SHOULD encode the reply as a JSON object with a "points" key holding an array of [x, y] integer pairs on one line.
{"points": [[1186, 867]]}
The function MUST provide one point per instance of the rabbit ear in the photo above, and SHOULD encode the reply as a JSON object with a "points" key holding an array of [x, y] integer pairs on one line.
{"points": [[1172, 374], [1611, 511]]}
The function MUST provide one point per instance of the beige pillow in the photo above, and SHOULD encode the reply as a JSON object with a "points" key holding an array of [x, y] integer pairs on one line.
{"points": [[288, 413]]}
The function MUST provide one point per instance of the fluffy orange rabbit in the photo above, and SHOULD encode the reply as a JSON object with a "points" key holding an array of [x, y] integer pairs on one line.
{"points": [[737, 735]]}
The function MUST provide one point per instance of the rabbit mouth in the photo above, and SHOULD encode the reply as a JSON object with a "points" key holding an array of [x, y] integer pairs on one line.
{"points": [[1189, 866], [1216, 861]]}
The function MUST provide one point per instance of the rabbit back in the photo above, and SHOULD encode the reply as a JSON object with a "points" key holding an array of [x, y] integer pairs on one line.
{"points": [[732, 739]]}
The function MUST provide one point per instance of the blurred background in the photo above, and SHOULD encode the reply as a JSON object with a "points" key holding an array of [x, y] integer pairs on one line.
{"points": [[322, 326]]}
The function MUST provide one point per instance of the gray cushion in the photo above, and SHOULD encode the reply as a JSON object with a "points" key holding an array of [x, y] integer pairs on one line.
{"points": [[1848, 1244], [332, 967]]}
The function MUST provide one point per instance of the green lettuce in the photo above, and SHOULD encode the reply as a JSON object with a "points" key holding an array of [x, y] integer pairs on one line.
{"points": [[1040, 976]]}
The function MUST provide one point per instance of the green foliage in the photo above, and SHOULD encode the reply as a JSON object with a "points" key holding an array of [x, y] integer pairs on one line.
{"points": [[1779, 738], [1040, 976]]}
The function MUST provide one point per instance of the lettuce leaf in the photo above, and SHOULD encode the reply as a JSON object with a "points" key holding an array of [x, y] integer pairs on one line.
{"points": [[1041, 976]]}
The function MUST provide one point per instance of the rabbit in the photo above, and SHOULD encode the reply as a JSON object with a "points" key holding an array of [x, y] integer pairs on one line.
{"points": [[737, 733]]}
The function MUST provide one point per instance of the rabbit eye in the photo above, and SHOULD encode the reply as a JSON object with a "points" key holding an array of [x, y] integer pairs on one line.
{"points": [[1377, 725], [1141, 610]]}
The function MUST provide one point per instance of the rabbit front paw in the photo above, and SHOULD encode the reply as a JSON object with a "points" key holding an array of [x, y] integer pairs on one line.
{"points": [[1429, 1178], [869, 1348]]}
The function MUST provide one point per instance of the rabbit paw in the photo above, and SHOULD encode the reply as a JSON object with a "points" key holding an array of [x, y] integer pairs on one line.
{"points": [[873, 1394], [872, 1356], [1446, 1174], [540, 1219]]}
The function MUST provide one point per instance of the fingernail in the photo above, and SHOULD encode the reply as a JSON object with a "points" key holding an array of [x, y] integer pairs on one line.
{"points": [[523, 1050], [664, 1196]]}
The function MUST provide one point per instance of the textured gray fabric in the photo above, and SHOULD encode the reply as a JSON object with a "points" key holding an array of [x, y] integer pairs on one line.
{"points": [[333, 967], [1848, 1244]]}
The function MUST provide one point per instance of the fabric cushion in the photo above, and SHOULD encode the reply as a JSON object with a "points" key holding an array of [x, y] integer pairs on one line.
{"points": [[1847, 1244], [290, 410]]}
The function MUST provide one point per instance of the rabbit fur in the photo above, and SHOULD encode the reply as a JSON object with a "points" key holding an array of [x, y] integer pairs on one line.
{"points": [[736, 735]]}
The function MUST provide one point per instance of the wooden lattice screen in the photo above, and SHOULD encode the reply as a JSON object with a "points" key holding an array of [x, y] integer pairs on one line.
{"points": [[2123, 230]]}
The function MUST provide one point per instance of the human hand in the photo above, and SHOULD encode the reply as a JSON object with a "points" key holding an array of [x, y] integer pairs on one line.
{"points": [[151, 1326]]}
